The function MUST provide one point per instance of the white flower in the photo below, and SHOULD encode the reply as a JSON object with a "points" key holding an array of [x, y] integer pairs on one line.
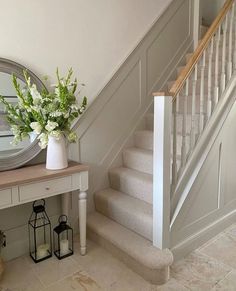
{"points": [[66, 115], [36, 108], [35, 93], [57, 92], [55, 133], [43, 140], [51, 125], [37, 128], [15, 130], [16, 140], [56, 114], [74, 107], [72, 136]]}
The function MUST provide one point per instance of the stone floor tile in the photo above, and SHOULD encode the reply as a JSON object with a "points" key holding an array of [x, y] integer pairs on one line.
{"points": [[199, 272], [52, 270], [223, 249], [231, 231], [129, 281], [227, 284], [19, 276], [171, 285], [79, 281], [109, 272]]}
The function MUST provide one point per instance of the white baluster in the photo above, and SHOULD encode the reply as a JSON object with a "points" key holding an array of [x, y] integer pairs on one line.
{"points": [[184, 126], [223, 75], [201, 117], [209, 84], [193, 113], [216, 89], [230, 64], [174, 147], [234, 37]]}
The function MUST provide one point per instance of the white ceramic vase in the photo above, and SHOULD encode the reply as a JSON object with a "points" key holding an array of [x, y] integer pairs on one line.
{"points": [[56, 153]]}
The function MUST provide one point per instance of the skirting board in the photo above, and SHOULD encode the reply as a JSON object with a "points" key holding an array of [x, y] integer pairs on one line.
{"points": [[191, 243]]}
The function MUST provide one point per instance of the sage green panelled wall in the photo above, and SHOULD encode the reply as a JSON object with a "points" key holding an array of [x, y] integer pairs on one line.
{"points": [[93, 37]]}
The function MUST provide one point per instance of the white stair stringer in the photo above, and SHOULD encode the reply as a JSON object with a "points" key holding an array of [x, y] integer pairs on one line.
{"points": [[134, 250]]}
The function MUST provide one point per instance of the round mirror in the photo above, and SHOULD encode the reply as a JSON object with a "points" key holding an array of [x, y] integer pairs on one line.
{"points": [[13, 156]]}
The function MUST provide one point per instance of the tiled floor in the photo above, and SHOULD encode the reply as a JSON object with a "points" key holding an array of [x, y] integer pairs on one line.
{"points": [[211, 267]]}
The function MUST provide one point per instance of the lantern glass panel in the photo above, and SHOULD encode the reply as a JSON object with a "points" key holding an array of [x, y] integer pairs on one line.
{"points": [[63, 239], [40, 245]]}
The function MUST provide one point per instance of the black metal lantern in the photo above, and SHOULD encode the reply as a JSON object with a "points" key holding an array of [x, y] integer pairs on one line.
{"points": [[63, 239], [40, 237]]}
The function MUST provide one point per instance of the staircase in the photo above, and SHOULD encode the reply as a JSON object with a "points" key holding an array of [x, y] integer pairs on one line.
{"points": [[123, 220]]}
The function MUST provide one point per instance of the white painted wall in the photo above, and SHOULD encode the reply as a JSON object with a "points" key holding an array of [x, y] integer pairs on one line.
{"points": [[93, 37]]}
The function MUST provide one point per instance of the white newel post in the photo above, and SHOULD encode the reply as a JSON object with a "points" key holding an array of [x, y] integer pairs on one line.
{"points": [[161, 171]]}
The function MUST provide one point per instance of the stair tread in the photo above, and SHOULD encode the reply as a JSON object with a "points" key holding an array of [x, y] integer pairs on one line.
{"points": [[144, 139], [144, 132], [126, 171], [126, 201], [138, 159], [139, 150], [130, 212], [136, 246], [132, 182]]}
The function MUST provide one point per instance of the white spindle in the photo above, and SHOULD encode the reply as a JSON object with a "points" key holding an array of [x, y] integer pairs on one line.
{"points": [[223, 61], [201, 111], [216, 88], [184, 125], [230, 64], [174, 145], [234, 37], [193, 111], [209, 82]]}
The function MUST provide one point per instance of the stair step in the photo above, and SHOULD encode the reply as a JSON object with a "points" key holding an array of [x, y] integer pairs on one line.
{"points": [[138, 159], [131, 182], [150, 121], [189, 55], [137, 252], [128, 211], [144, 139], [180, 69], [179, 120], [198, 86]]}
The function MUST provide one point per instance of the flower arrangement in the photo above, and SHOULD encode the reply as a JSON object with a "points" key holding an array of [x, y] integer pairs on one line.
{"points": [[45, 113]]}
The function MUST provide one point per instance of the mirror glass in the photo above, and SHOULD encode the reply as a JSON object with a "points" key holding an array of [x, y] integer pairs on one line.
{"points": [[8, 91], [13, 156]]}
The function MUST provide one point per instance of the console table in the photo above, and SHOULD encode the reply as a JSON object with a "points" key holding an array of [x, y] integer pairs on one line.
{"points": [[30, 183]]}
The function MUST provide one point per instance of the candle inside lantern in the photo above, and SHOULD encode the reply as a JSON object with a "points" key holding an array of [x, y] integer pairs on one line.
{"points": [[42, 251], [64, 247]]}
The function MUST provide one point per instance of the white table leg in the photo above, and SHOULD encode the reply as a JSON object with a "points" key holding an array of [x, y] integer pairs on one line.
{"points": [[82, 221], [65, 203]]}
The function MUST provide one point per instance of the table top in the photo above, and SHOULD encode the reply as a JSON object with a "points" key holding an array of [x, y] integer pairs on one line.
{"points": [[36, 173]]}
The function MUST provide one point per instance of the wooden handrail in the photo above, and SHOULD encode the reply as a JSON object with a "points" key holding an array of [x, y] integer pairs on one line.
{"points": [[178, 84]]}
